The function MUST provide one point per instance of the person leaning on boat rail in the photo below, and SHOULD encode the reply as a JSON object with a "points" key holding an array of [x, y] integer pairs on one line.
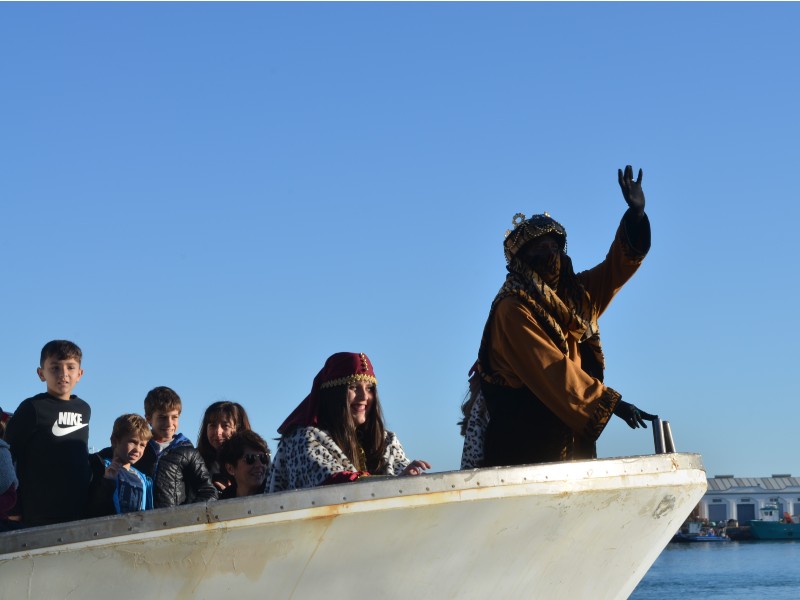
{"points": [[245, 457], [220, 421], [117, 486], [540, 395], [8, 484], [178, 471], [336, 434], [49, 439], [8, 480]]}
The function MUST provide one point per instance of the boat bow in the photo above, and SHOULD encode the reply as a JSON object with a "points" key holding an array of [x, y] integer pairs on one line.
{"points": [[584, 529]]}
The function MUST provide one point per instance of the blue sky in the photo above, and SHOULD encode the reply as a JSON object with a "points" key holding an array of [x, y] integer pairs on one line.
{"points": [[215, 197]]}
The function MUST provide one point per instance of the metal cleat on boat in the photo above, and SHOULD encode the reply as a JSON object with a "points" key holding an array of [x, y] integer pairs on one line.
{"points": [[662, 437]]}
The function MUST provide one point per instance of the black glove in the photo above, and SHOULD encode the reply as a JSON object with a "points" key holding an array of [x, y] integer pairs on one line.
{"points": [[632, 415], [632, 190]]}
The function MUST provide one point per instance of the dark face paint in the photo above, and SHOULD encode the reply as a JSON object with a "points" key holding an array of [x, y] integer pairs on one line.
{"points": [[548, 268], [543, 256]]}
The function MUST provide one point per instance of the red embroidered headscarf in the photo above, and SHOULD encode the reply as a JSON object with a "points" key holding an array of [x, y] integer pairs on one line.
{"points": [[342, 368]]}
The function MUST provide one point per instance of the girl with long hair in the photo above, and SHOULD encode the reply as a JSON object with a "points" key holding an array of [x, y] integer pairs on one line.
{"points": [[221, 420], [337, 433]]}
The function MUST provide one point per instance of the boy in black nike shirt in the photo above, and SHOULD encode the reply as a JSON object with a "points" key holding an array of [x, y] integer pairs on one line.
{"points": [[49, 438]]}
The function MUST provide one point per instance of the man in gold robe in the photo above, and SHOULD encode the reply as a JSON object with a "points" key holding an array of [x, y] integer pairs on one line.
{"points": [[540, 364]]}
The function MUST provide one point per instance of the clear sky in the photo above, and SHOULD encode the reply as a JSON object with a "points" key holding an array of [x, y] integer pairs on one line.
{"points": [[215, 197]]}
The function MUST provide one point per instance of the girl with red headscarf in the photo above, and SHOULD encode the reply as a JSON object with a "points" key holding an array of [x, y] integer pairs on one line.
{"points": [[337, 433]]}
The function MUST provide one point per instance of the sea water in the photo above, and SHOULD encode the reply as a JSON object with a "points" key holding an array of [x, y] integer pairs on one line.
{"points": [[752, 570]]}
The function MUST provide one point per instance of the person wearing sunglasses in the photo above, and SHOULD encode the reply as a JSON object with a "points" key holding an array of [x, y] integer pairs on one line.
{"points": [[336, 434], [246, 457]]}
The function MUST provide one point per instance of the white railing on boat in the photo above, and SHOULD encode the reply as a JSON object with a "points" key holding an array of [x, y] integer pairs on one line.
{"points": [[507, 532]]}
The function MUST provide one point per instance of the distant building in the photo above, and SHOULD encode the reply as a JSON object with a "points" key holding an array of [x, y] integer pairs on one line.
{"points": [[742, 498]]}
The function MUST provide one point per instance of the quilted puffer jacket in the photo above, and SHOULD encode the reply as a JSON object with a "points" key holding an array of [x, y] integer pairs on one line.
{"points": [[179, 473]]}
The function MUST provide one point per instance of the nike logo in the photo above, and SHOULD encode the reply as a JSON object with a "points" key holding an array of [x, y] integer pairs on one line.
{"points": [[71, 422], [59, 431]]}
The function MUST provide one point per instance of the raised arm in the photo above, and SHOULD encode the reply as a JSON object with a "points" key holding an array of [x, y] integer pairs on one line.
{"points": [[632, 191]]}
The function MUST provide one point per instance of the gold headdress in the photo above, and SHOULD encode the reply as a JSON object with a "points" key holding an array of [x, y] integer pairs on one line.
{"points": [[526, 230]]}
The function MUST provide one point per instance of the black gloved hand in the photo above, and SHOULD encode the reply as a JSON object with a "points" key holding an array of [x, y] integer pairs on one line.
{"points": [[632, 190], [632, 415]]}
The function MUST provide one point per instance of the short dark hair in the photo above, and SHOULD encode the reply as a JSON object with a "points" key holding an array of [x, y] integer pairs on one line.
{"points": [[60, 350], [162, 399], [233, 448]]}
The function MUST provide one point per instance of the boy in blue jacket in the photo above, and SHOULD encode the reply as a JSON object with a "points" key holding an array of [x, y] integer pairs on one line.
{"points": [[117, 487]]}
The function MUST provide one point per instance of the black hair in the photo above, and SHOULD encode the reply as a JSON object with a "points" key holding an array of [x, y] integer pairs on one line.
{"points": [[232, 450], [60, 350], [232, 410], [334, 418]]}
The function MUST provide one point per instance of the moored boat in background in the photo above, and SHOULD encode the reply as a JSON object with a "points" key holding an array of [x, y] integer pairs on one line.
{"points": [[695, 532], [772, 527]]}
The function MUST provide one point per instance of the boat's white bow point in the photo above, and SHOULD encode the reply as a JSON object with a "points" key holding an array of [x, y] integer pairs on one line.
{"points": [[585, 529]]}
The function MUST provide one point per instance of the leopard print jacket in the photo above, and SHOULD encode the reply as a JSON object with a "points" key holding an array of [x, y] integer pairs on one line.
{"points": [[308, 456], [472, 453]]}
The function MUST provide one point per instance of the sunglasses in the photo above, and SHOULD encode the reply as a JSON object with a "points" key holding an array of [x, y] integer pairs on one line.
{"points": [[251, 458]]}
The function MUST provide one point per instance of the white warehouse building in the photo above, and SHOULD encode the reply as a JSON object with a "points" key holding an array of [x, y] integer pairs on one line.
{"points": [[742, 498]]}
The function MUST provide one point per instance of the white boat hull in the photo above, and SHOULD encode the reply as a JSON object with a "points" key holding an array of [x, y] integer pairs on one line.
{"points": [[587, 529]]}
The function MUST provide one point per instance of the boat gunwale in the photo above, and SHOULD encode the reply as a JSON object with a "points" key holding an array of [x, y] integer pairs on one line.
{"points": [[372, 493]]}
